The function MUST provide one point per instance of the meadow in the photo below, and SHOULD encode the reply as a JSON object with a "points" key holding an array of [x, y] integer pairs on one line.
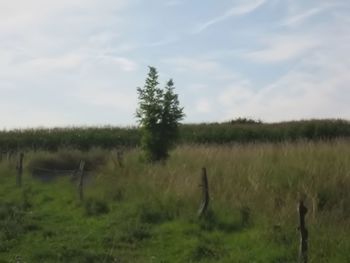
{"points": [[141, 212]]}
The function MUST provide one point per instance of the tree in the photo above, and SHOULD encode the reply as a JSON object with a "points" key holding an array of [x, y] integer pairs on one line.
{"points": [[158, 114]]}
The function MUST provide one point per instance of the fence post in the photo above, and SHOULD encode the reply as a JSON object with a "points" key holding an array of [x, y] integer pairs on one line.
{"points": [[205, 194], [120, 157], [81, 180], [19, 170], [303, 248]]}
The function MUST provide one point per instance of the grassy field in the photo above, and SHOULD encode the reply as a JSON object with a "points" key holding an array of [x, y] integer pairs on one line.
{"points": [[148, 213]]}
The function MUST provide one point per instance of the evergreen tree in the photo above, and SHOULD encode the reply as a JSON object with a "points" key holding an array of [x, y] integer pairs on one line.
{"points": [[158, 113]]}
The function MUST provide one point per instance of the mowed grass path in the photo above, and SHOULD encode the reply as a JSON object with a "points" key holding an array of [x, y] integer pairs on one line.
{"points": [[148, 212]]}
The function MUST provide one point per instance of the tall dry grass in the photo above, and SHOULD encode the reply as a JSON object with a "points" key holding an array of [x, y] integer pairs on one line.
{"points": [[267, 178]]}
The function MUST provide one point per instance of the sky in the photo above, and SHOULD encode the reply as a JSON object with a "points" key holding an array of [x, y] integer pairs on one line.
{"points": [[79, 62]]}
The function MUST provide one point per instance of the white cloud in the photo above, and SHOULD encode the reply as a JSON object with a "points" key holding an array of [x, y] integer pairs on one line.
{"points": [[282, 48], [316, 85], [163, 42], [47, 64], [243, 8], [202, 106], [123, 63], [298, 15], [237, 94], [197, 69], [40, 36], [318, 88], [107, 97], [197, 87], [192, 64], [22, 15], [299, 18], [344, 18], [103, 38], [29, 117]]}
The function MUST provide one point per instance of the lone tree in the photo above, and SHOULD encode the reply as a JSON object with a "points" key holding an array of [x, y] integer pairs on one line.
{"points": [[158, 114]]}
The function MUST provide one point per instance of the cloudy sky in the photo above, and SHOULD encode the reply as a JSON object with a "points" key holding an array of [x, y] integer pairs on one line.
{"points": [[78, 62]]}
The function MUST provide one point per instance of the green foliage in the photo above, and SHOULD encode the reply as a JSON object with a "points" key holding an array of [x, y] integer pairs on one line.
{"points": [[80, 138], [95, 207], [248, 131], [14, 222], [245, 121], [236, 131], [158, 113], [210, 249]]}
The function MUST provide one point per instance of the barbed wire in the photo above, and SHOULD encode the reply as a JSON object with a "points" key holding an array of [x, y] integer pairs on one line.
{"points": [[53, 170]]}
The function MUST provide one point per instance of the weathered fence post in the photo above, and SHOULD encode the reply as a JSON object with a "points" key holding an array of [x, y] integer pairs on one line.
{"points": [[19, 170], [303, 248], [120, 157], [205, 194], [81, 180]]}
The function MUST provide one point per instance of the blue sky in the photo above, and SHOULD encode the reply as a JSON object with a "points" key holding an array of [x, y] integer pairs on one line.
{"points": [[78, 62]]}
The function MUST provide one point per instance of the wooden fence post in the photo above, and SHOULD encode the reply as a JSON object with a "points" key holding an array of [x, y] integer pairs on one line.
{"points": [[205, 194], [19, 170], [303, 248], [120, 157], [81, 180]]}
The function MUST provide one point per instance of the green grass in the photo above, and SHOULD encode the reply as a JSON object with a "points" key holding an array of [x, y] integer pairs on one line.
{"points": [[147, 213]]}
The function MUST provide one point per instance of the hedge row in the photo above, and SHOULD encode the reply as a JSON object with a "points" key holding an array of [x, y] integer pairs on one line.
{"points": [[219, 133]]}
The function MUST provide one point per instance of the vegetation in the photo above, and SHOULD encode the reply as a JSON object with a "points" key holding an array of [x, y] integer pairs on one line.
{"points": [[83, 138], [246, 132], [159, 114], [147, 212], [213, 133]]}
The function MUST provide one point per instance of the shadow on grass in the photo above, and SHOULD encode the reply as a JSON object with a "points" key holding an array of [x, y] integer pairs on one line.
{"points": [[226, 222]]}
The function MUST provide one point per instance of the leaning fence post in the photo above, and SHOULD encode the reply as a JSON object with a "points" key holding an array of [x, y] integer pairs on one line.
{"points": [[205, 194], [19, 170], [81, 180], [303, 248]]}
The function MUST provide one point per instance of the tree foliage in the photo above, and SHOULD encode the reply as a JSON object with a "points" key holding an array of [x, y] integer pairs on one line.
{"points": [[158, 113]]}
